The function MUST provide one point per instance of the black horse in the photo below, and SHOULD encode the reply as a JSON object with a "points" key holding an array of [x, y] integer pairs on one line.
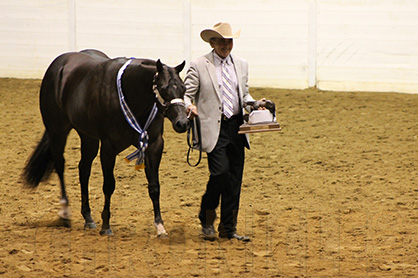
{"points": [[79, 91]]}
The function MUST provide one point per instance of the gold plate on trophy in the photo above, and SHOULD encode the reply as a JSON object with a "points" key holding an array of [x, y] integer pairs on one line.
{"points": [[261, 127]]}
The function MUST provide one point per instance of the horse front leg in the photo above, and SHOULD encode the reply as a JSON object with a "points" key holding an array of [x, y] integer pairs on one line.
{"points": [[89, 149], [107, 158], [152, 165]]}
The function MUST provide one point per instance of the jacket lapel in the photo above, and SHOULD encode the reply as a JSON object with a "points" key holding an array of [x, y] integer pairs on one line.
{"points": [[210, 65]]}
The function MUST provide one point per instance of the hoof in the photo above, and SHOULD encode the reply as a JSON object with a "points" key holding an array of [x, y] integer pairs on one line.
{"points": [[162, 235], [90, 225], [64, 222], [106, 232], [64, 214]]}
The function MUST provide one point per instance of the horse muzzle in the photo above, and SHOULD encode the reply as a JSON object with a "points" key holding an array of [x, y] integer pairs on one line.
{"points": [[181, 125], [176, 112]]}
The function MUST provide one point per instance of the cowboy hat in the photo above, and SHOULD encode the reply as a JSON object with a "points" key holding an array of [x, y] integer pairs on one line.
{"points": [[219, 30]]}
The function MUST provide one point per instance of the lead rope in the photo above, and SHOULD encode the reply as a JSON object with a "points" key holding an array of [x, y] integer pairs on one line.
{"points": [[139, 154], [192, 141]]}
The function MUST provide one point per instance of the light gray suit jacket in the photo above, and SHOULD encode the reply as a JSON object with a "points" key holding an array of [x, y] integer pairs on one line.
{"points": [[202, 90]]}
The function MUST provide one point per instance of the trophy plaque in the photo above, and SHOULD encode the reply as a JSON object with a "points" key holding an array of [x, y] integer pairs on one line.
{"points": [[259, 121]]}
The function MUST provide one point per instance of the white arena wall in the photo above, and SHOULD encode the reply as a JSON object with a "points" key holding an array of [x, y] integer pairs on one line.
{"points": [[347, 45]]}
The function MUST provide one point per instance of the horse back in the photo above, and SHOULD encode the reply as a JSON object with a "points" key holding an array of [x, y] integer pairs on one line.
{"points": [[72, 84], [95, 54]]}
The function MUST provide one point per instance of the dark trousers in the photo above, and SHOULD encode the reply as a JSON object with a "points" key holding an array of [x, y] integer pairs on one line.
{"points": [[226, 165]]}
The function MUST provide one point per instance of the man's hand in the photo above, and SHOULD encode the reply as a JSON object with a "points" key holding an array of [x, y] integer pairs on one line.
{"points": [[263, 100], [262, 104], [191, 111]]}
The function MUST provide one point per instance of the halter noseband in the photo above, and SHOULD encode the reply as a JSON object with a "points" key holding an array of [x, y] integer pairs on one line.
{"points": [[164, 104]]}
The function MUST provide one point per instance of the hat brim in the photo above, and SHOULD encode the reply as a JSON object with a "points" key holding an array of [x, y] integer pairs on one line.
{"points": [[207, 34]]}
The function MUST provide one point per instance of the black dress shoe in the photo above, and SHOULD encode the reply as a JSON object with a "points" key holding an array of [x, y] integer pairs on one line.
{"points": [[208, 232], [236, 236]]}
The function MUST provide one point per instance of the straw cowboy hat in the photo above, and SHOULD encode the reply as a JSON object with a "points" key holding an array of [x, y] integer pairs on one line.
{"points": [[219, 30]]}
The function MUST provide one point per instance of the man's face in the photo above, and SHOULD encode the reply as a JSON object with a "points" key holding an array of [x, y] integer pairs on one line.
{"points": [[223, 47]]}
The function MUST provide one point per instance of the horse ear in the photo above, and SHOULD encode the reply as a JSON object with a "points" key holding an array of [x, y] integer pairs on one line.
{"points": [[159, 66], [180, 67]]}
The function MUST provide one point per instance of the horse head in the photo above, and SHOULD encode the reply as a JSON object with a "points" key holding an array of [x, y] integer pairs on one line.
{"points": [[169, 90]]}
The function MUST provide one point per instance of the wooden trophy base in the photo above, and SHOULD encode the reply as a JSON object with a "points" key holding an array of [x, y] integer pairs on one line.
{"points": [[261, 127]]}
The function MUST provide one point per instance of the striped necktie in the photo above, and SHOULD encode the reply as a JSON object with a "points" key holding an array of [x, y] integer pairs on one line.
{"points": [[227, 91]]}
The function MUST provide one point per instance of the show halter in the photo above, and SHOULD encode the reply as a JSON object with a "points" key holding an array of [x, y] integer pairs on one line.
{"points": [[164, 105], [139, 154]]}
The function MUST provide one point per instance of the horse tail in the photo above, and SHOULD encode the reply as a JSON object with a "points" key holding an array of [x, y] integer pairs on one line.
{"points": [[40, 164]]}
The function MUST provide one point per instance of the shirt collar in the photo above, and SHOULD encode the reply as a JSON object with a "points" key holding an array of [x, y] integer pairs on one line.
{"points": [[218, 59]]}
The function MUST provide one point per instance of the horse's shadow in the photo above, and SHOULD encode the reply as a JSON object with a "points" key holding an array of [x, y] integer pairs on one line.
{"points": [[177, 235], [58, 222]]}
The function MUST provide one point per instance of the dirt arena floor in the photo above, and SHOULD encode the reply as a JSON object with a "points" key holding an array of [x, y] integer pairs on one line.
{"points": [[335, 194]]}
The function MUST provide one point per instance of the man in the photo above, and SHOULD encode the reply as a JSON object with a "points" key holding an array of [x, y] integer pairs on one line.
{"points": [[216, 90]]}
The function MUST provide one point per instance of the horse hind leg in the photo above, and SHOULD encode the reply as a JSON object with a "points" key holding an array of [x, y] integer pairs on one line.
{"points": [[58, 141], [47, 157], [89, 149], [57, 128]]}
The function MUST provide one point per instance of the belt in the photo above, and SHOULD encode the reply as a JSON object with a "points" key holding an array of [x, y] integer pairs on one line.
{"points": [[226, 119]]}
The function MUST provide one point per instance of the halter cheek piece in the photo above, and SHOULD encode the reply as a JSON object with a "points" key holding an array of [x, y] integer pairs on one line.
{"points": [[165, 104]]}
